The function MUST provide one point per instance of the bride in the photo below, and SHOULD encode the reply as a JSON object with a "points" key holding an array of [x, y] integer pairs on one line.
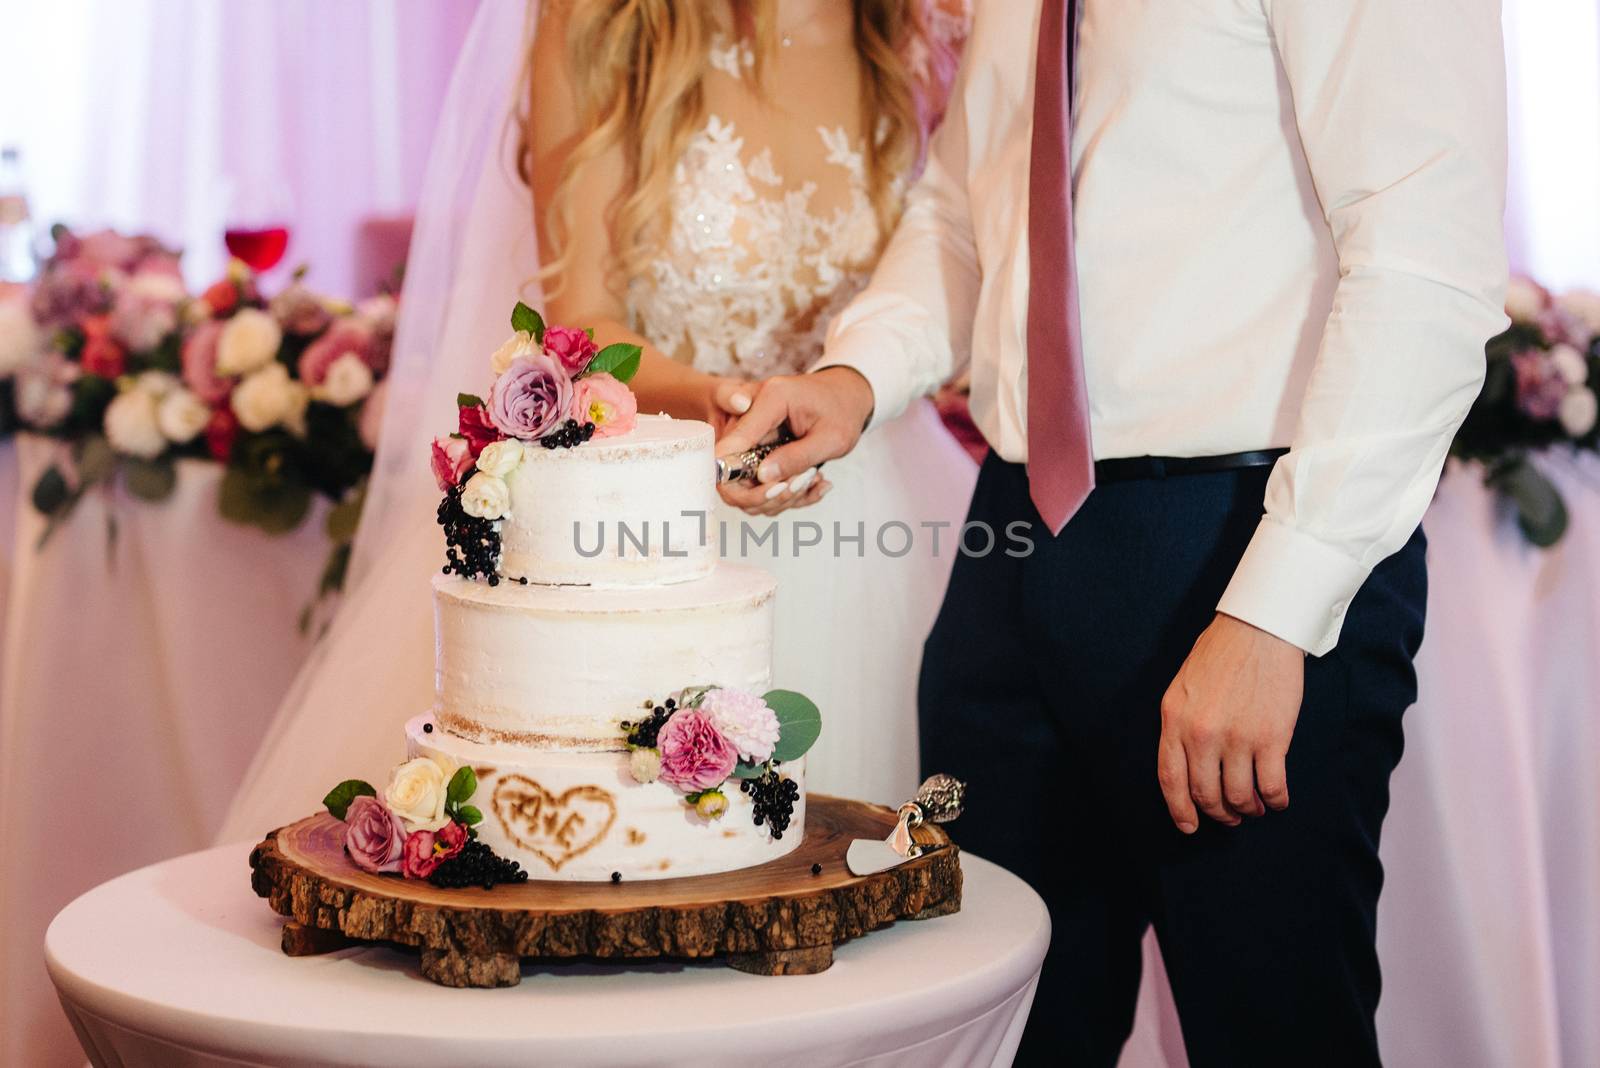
{"points": [[711, 180]]}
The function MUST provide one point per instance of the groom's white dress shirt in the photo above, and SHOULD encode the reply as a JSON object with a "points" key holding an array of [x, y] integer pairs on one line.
{"points": [[1288, 221]]}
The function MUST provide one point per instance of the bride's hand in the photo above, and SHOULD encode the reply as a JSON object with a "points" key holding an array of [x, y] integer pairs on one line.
{"points": [[727, 399]]}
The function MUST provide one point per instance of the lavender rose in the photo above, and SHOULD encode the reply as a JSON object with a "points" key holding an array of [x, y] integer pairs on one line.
{"points": [[373, 836], [694, 754], [531, 398]]}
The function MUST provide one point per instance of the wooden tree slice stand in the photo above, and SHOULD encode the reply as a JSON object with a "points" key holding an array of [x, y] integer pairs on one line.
{"points": [[776, 919]]}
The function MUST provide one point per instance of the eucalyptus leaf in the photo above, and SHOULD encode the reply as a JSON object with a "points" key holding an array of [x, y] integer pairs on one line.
{"points": [[525, 318], [338, 800], [1541, 513], [746, 770], [799, 723], [463, 784], [620, 361], [150, 480], [51, 493]]}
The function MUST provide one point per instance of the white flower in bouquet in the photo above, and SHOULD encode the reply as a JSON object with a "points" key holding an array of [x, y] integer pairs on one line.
{"points": [[1525, 299], [485, 496], [133, 425], [500, 458], [1569, 364], [182, 415], [43, 396], [269, 398], [1579, 411], [1584, 305], [380, 311], [417, 793], [157, 383], [517, 345], [348, 380], [21, 341], [249, 340]]}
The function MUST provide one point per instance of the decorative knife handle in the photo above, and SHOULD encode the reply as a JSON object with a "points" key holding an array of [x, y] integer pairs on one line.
{"points": [[940, 799], [742, 466]]}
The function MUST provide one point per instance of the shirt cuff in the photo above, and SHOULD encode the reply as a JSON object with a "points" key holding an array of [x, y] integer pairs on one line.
{"points": [[884, 370], [1293, 586]]}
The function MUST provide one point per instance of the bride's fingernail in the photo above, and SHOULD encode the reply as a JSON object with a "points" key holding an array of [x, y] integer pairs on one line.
{"points": [[802, 480], [782, 487], [739, 402], [767, 471]]}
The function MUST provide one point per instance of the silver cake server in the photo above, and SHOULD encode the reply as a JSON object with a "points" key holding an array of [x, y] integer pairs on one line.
{"points": [[939, 800]]}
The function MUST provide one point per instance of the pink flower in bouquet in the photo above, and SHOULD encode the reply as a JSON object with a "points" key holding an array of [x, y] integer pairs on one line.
{"points": [[1540, 387], [65, 294], [101, 354], [300, 311], [452, 459], [608, 404], [145, 310], [694, 754], [572, 347], [373, 837], [200, 364], [347, 337], [473, 423], [105, 250], [531, 398], [449, 840], [419, 858]]}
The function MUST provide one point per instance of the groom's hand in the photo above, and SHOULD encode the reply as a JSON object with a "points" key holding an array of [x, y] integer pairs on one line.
{"points": [[1226, 722], [827, 410]]}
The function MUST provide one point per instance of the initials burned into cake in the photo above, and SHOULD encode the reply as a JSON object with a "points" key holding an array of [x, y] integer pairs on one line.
{"points": [[603, 706]]}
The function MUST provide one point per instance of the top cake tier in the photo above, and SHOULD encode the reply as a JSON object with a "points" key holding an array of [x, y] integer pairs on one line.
{"points": [[631, 510]]}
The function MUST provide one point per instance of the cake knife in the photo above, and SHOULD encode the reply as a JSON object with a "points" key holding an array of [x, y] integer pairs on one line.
{"points": [[743, 466], [939, 800]]}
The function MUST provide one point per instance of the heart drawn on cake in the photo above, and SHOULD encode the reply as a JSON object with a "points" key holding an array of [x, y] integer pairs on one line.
{"points": [[555, 828]]}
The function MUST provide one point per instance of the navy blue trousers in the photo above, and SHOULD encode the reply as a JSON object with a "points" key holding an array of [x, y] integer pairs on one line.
{"points": [[1041, 686]]}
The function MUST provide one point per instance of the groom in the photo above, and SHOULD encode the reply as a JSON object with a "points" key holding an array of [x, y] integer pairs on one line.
{"points": [[1223, 272]]}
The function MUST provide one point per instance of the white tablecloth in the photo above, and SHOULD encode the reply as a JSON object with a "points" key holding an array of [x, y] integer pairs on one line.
{"points": [[1489, 925], [133, 691], [180, 964]]}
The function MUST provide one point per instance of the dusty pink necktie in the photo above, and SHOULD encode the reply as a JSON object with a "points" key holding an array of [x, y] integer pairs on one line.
{"points": [[1060, 456]]}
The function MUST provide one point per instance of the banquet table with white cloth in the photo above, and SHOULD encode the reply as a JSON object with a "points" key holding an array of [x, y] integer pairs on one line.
{"points": [[137, 679], [180, 963], [1487, 929]]}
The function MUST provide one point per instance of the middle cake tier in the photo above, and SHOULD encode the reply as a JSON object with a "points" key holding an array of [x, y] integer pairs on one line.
{"points": [[561, 667]]}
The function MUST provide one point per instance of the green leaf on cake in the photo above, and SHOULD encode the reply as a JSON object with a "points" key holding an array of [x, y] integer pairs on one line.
{"points": [[150, 480], [799, 723], [470, 816], [620, 361], [338, 800], [467, 400], [526, 319], [463, 784]]}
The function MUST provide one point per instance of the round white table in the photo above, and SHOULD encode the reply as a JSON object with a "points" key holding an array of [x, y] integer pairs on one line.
{"points": [[179, 963]]}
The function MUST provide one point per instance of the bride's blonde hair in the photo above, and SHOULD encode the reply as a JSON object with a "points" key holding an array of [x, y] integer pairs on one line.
{"points": [[639, 67]]}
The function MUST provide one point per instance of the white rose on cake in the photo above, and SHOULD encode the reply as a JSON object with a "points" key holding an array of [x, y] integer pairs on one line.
{"points": [[268, 398], [486, 496], [348, 380], [20, 339], [133, 426], [249, 340], [417, 793], [182, 416], [500, 458], [519, 344]]}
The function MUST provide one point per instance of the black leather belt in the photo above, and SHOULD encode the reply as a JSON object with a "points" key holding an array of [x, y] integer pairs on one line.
{"points": [[1126, 469]]}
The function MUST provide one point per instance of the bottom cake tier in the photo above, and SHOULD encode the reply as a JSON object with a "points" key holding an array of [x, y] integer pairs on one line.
{"points": [[583, 817]]}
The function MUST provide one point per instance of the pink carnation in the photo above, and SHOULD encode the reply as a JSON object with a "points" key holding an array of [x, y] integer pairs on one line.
{"points": [[750, 726], [200, 364], [608, 404], [452, 459], [373, 837], [419, 858], [572, 347], [694, 754], [345, 337]]}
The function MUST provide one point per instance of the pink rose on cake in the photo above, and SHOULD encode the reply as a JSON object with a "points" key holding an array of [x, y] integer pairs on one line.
{"points": [[694, 754], [532, 398], [373, 837], [452, 459], [745, 721], [608, 404], [573, 348]]}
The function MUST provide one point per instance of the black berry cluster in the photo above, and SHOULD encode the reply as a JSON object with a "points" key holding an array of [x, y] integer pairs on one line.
{"points": [[571, 435], [477, 865], [472, 545], [774, 798], [643, 733]]}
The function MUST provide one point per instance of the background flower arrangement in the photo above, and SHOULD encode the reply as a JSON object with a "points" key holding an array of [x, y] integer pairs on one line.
{"points": [[108, 353], [1539, 391]]}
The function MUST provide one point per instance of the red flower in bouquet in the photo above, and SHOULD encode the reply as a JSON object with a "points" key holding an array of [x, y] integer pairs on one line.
{"points": [[222, 297], [221, 434], [101, 354], [476, 428]]}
